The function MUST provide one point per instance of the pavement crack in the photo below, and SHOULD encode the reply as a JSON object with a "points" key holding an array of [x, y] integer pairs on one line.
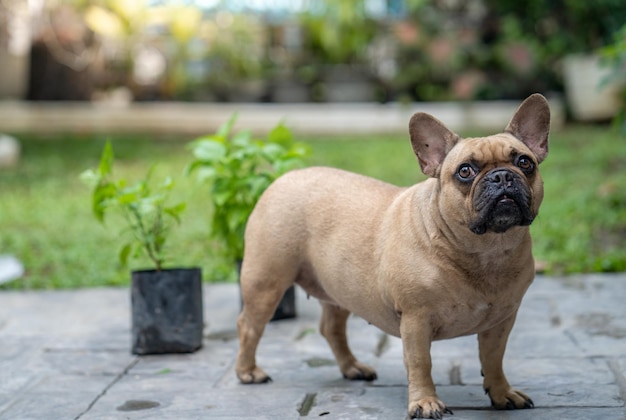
{"points": [[307, 404], [109, 386], [572, 338], [615, 368], [555, 317]]}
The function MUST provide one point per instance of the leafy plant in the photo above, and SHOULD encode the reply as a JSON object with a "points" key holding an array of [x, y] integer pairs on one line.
{"points": [[143, 207], [239, 168], [614, 55]]}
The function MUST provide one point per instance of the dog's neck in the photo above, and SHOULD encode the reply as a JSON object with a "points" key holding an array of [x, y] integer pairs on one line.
{"points": [[493, 257]]}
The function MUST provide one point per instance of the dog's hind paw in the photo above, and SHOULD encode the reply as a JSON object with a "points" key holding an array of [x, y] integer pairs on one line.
{"points": [[359, 372], [254, 376]]}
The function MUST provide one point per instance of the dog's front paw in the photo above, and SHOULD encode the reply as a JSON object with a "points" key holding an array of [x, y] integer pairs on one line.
{"points": [[357, 371], [510, 399], [428, 408], [253, 376]]}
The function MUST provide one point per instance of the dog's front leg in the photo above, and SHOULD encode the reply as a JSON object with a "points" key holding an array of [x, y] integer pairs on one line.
{"points": [[491, 345], [416, 333]]}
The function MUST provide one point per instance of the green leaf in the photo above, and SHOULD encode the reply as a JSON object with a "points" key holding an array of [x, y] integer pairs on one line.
{"points": [[102, 195], [206, 173], [258, 185], [175, 211], [237, 219], [106, 160], [242, 138], [124, 254], [147, 206], [281, 135], [226, 128], [90, 178], [127, 198], [299, 150], [209, 151], [210, 137], [168, 184], [220, 198], [273, 151]]}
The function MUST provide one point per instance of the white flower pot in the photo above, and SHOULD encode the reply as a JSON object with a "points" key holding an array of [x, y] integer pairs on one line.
{"points": [[589, 95]]}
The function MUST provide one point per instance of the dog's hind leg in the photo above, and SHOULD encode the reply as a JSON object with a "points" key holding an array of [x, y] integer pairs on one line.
{"points": [[260, 298], [333, 328]]}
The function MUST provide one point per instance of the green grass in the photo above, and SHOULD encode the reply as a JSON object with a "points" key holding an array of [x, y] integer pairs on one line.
{"points": [[46, 221]]}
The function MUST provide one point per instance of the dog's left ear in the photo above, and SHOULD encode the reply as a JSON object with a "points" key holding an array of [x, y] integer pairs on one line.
{"points": [[431, 142], [531, 124]]}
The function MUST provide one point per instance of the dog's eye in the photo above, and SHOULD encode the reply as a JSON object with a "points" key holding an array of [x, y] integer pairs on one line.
{"points": [[525, 163], [466, 172]]}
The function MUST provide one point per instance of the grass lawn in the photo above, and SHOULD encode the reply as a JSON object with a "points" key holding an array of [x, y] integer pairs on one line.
{"points": [[46, 220]]}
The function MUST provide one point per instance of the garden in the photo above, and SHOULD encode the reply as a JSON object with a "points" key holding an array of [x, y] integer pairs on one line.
{"points": [[46, 214], [71, 207]]}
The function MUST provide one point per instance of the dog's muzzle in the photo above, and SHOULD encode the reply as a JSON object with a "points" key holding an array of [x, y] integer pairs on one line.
{"points": [[502, 200]]}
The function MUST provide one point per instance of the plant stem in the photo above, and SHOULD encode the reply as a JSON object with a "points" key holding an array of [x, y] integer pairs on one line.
{"points": [[144, 239]]}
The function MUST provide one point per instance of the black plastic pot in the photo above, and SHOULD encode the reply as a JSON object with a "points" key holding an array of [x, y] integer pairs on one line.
{"points": [[286, 307], [167, 311]]}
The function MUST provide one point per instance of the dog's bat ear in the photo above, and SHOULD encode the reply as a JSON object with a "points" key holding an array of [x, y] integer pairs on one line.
{"points": [[431, 142], [531, 124]]}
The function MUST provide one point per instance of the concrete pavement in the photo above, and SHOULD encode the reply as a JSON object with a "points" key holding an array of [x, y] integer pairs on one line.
{"points": [[66, 355]]}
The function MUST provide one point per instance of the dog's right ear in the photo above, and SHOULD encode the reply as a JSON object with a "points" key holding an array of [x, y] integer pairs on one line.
{"points": [[431, 142]]}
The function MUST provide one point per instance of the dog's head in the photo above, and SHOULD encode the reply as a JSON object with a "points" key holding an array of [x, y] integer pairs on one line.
{"points": [[489, 184]]}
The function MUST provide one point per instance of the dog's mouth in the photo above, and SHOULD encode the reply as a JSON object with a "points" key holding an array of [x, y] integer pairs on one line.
{"points": [[505, 199], [499, 209]]}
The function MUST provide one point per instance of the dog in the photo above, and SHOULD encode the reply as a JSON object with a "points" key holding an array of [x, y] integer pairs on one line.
{"points": [[447, 257]]}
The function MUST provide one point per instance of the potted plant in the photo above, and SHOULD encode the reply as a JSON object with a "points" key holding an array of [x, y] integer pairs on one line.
{"points": [[166, 302], [239, 168], [584, 72]]}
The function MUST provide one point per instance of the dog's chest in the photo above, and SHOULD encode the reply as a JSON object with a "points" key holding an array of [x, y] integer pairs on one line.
{"points": [[464, 318]]}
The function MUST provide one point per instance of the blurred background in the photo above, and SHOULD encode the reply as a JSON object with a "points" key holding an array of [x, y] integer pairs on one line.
{"points": [[312, 50]]}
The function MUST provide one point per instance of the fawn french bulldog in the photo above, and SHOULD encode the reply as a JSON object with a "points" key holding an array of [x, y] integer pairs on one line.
{"points": [[447, 257]]}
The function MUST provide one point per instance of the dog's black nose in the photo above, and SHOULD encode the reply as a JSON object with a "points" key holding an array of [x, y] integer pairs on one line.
{"points": [[500, 177]]}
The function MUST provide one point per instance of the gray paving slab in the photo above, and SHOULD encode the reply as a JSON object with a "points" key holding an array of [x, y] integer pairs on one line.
{"points": [[67, 355]]}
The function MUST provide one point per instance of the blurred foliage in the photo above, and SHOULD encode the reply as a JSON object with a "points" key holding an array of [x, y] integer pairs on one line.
{"points": [[235, 54], [508, 49], [338, 32], [422, 50], [565, 26]]}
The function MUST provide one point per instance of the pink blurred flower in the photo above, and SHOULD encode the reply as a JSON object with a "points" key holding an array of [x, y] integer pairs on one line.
{"points": [[441, 50], [465, 85]]}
